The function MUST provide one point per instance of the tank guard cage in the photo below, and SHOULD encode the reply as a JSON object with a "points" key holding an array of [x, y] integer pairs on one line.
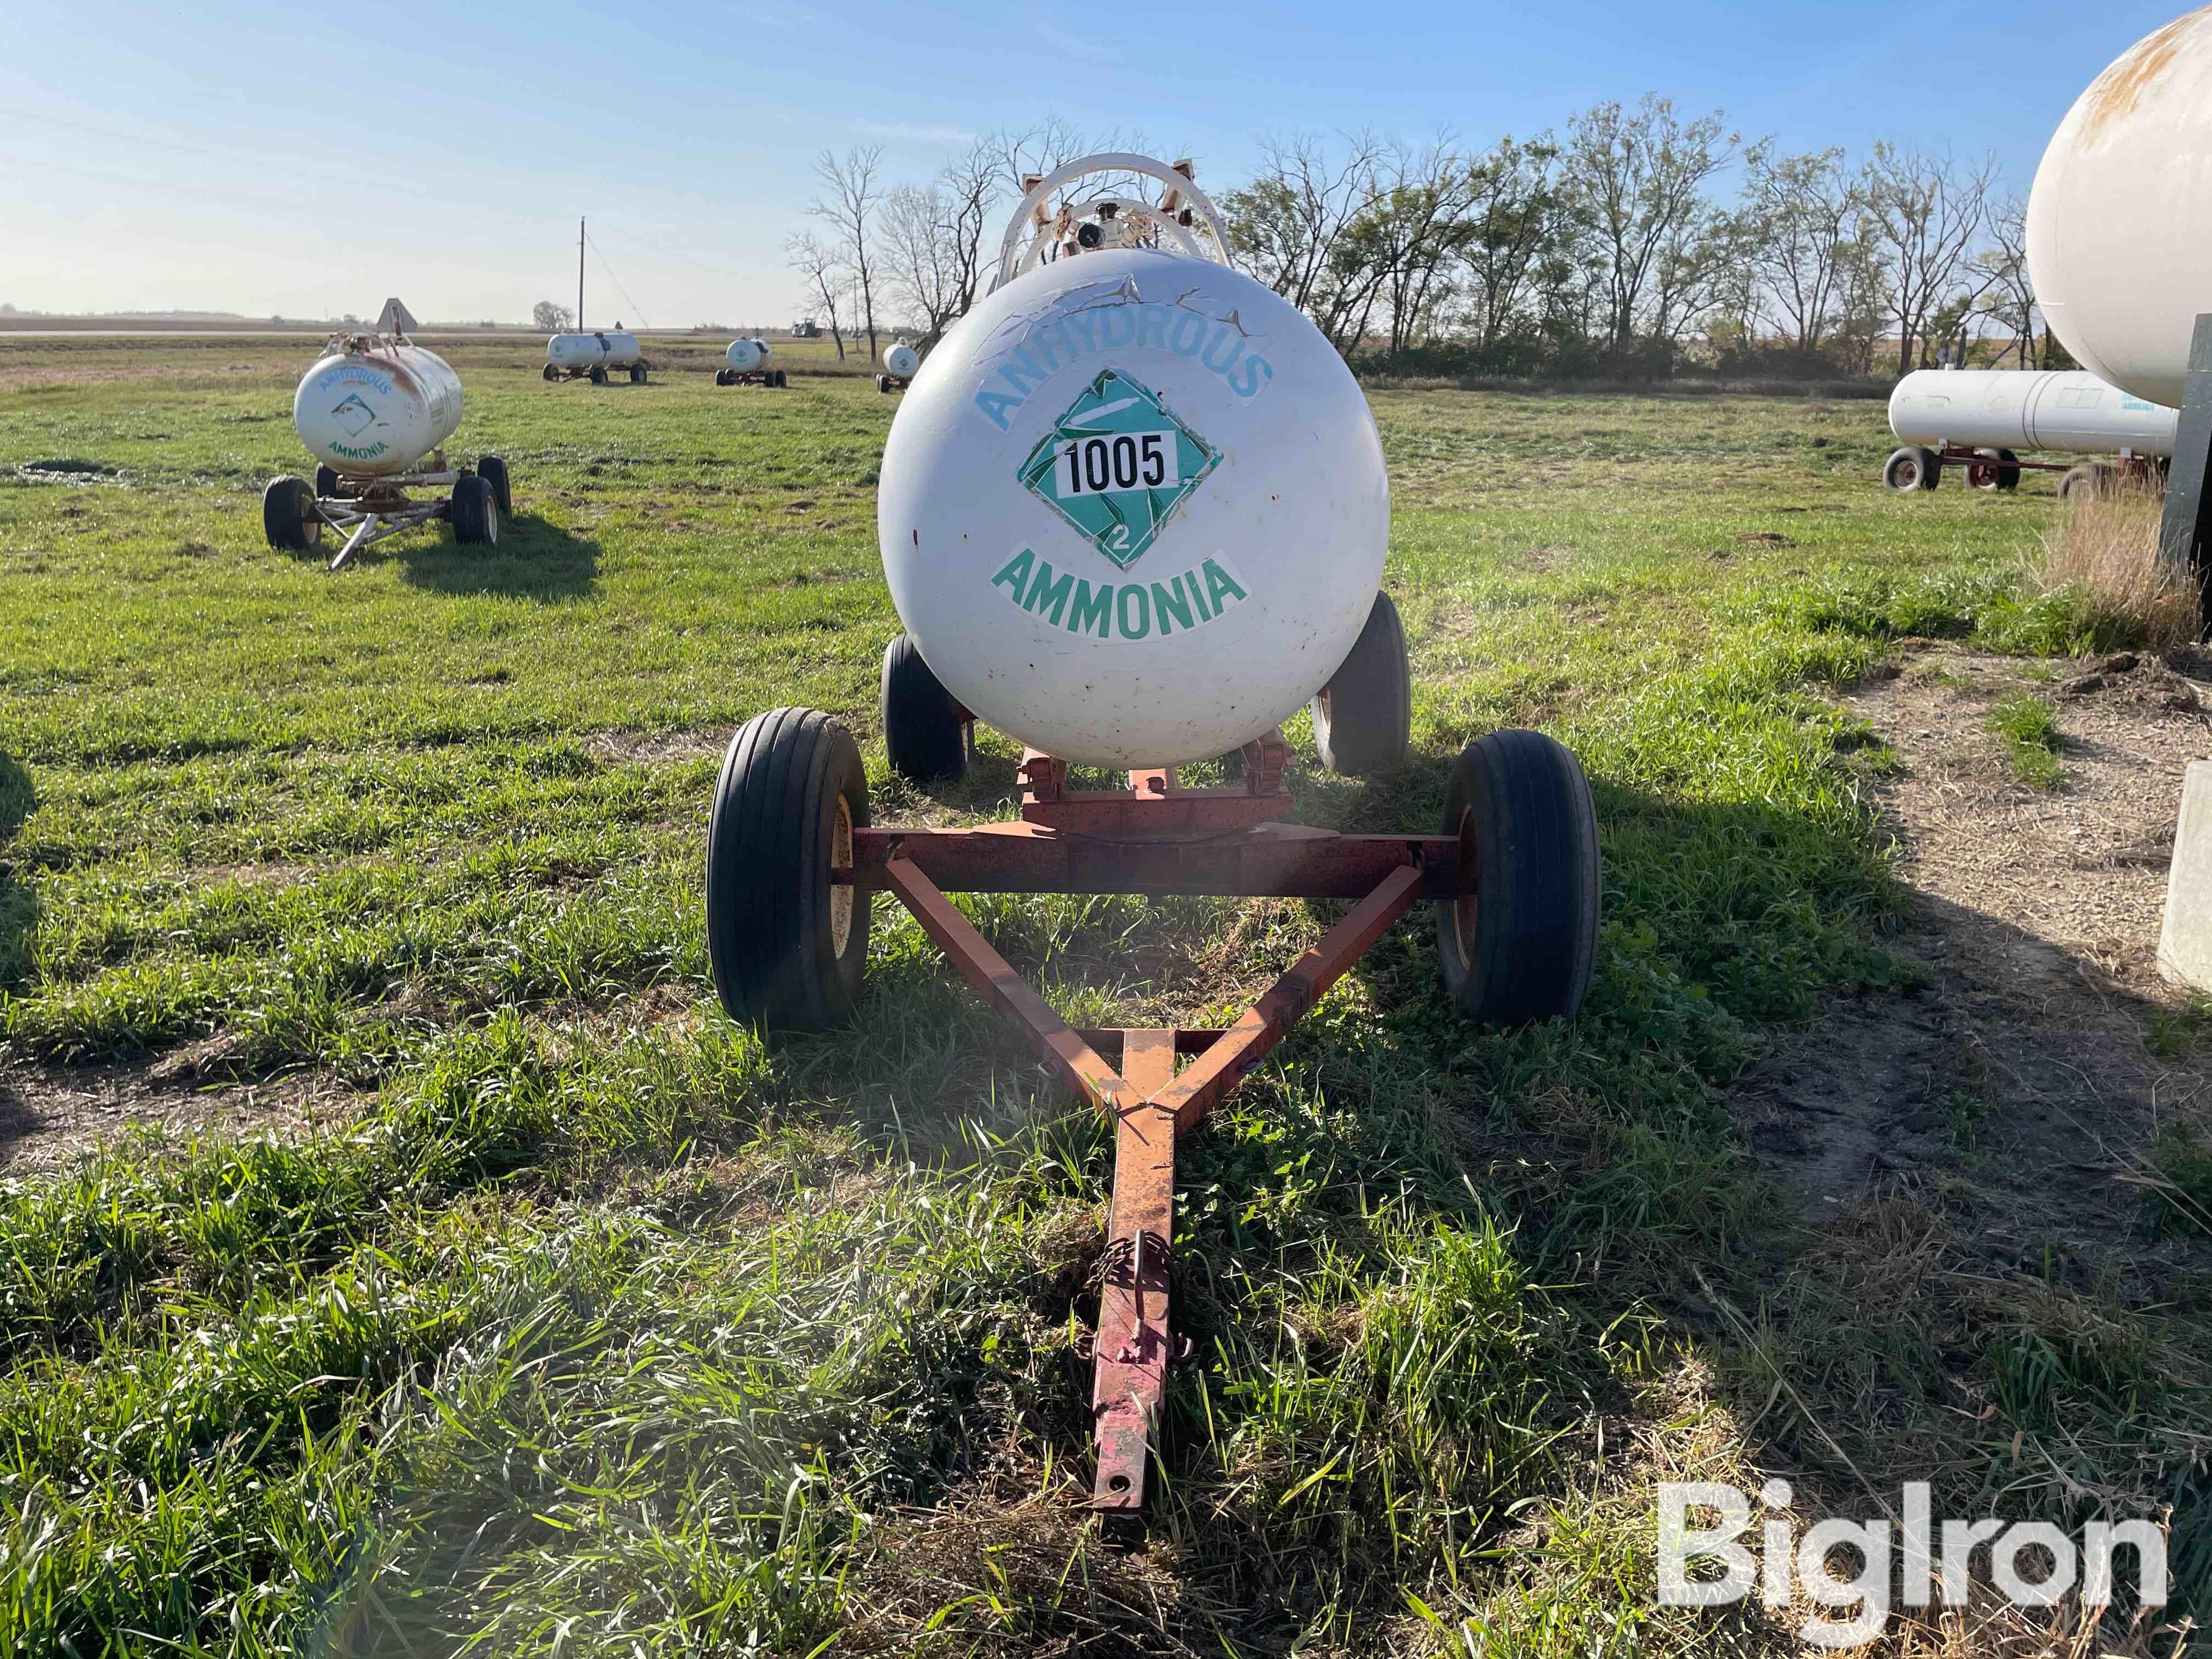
{"points": [[1184, 215]]}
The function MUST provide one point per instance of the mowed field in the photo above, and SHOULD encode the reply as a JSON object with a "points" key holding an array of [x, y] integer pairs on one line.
{"points": [[468, 1282]]}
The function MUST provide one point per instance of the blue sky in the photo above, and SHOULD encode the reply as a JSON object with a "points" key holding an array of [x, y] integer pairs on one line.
{"points": [[262, 159]]}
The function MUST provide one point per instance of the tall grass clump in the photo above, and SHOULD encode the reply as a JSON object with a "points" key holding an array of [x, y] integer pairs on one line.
{"points": [[2103, 553]]}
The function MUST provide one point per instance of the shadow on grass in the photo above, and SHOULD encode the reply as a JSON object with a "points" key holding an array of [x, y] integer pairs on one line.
{"points": [[19, 905], [534, 560]]}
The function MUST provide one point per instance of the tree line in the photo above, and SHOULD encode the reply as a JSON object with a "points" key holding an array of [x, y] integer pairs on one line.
{"points": [[1634, 242]]}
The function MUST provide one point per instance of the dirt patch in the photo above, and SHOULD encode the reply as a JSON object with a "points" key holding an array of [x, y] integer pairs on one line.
{"points": [[69, 471], [650, 748], [49, 1113], [2018, 1084]]}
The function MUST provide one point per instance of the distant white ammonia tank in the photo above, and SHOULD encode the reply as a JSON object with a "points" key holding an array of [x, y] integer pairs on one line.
{"points": [[375, 408], [2008, 409], [1136, 513], [903, 360], [746, 356], [2116, 223], [607, 349]]}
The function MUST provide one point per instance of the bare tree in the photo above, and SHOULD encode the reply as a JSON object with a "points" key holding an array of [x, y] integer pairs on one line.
{"points": [[1639, 178], [849, 207], [550, 316], [2009, 294], [1802, 216], [1415, 233], [1284, 226], [1926, 213], [1519, 229], [934, 249], [824, 268]]}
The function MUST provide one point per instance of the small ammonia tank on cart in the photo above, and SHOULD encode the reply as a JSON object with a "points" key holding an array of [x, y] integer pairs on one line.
{"points": [[2116, 223], [372, 411], [1136, 510], [1133, 512], [1980, 420], [595, 355], [903, 361], [748, 360]]}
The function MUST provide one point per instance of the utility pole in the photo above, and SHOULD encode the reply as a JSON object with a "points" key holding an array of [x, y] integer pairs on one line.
{"points": [[580, 275]]}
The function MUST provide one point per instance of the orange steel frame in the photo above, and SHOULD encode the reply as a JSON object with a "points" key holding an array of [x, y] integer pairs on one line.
{"points": [[1155, 837]]}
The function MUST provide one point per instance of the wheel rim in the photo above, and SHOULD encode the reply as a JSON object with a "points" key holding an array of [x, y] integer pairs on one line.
{"points": [[841, 893], [1463, 909]]}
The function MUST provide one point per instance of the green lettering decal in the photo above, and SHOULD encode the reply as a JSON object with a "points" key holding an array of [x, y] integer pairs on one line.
{"points": [[1143, 625], [1016, 572], [1219, 581], [1197, 598], [1170, 602], [1093, 611], [1045, 592], [997, 406]]}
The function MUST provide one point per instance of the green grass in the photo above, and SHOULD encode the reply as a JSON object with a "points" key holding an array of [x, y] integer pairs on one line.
{"points": [[595, 1325], [2029, 726]]}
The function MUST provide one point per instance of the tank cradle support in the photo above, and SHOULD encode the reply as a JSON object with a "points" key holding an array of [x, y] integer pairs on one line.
{"points": [[378, 508], [1154, 836]]}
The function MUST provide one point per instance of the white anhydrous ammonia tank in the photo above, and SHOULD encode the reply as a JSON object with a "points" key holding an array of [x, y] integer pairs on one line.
{"points": [[1134, 510], [2009, 409], [903, 360], [373, 412], [608, 350], [746, 356], [2116, 223]]}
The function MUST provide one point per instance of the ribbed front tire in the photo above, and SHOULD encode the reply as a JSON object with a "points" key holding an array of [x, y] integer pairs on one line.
{"points": [[1523, 947], [788, 946]]}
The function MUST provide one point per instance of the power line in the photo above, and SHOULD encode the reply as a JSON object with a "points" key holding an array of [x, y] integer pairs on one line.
{"points": [[636, 310]]}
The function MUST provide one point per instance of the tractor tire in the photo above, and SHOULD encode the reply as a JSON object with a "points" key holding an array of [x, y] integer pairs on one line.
{"points": [[1522, 947], [1912, 468], [551, 373], [783, 380], [883, 383], [474, 512], [787, 947], [492, 471], [326, 482], [1362, 719], [288, 515], [924, 737], [637, 373], [599, 374], [2087, 482]]}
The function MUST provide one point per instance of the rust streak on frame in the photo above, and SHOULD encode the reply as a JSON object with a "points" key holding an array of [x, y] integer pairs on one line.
{"points": [[1129, 1367]]}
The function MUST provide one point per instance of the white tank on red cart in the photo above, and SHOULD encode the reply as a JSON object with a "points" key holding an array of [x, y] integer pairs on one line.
{"points": [[1134, 510], [373, 408], [2116, 223], [603, 347], [746, 356]]}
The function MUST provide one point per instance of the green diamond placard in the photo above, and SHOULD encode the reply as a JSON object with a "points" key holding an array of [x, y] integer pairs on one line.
{"points": [[1116, 465]]}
